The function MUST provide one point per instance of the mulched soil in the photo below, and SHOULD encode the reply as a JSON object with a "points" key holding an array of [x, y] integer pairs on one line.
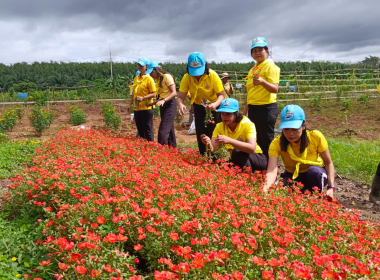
{"points": [[363, 121]]}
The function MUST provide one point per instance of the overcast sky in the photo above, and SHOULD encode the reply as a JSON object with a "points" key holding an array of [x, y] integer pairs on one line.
{"points": [[169, 30]]}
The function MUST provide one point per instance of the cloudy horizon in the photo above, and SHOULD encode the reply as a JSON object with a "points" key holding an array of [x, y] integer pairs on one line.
{"points": [[168, 30]]}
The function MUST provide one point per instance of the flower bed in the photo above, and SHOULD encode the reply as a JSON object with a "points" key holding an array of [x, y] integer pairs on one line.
{"points": [[123, 208]]}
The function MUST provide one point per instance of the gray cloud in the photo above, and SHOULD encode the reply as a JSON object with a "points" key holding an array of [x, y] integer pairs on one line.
{"points": [[296, 28]]}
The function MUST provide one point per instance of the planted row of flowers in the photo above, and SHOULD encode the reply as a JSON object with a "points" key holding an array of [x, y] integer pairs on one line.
{"points": [[123, 208]]}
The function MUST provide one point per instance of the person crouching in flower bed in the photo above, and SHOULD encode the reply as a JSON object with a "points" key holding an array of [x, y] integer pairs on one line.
{"points": [[166, 94], [238, 134], [304, 152]]}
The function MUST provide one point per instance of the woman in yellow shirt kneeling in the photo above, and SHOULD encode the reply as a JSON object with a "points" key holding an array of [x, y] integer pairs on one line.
{"points": [[238, 134], [304, 152]]}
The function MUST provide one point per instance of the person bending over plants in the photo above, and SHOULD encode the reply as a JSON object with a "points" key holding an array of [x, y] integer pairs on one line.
{"points": [[304, 152], [166, 93], [206, 90], [238, 135]]}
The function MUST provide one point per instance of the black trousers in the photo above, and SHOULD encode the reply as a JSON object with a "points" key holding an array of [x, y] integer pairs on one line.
{"points": [[166, 134], [264, 117], [200, 128], [144, 123], [255, 161]]}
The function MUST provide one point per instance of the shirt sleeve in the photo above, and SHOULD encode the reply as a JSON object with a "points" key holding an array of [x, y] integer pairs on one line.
{"points": [[273, 74], [274, 148], [184, 85], [217, 130], [217, 83], [322, 141], [251, 131], [168, 80], [151, 85]]}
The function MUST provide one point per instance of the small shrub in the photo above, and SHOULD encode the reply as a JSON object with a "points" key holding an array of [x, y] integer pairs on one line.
{"points": [[9, 118], [41, 118], [77, 116], [347, 103], [316, 102], [111, 117], [3, 138], [40, 97], [364, 99]]}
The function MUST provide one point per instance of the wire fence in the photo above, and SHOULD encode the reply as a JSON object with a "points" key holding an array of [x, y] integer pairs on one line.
{"points": [[306, 85]]}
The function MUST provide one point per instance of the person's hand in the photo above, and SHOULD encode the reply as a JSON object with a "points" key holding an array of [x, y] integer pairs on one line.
{"points": [[205, 139], [223, 139], [243, 86], [330, 193], [266, 188], [139, 98], [211, 107], [181, 108], [160, 102], [258, 81], [129, 110]]}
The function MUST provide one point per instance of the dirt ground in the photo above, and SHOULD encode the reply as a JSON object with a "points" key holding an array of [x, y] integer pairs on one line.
{"points": [[364, 124]]}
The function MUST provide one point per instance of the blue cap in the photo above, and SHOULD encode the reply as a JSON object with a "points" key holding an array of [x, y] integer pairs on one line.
{"points": [[196, 64], [229, 105], [259, 42], [152, 65], [143, 61], [137, 73], [292, 116]]}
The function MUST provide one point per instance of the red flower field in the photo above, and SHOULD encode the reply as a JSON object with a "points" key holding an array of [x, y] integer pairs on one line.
{"points": [[122, 208]]}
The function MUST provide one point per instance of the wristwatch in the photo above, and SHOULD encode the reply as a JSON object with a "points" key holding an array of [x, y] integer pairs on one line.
{"points": [[331, 187], [165, 99]]}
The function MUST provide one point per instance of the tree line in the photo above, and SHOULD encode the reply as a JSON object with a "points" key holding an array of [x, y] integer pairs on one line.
{"points": [[41, 75]]}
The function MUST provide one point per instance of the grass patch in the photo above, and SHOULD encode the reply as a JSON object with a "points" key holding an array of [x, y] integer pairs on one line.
{"points": [[14, 155], [18, 252], [355, 160]]}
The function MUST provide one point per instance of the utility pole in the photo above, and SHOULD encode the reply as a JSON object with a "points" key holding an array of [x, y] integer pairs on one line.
{"points": [[111, 62]]}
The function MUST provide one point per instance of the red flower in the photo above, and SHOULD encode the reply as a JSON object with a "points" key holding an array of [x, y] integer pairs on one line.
{"points": [[137, 247], [81, 270], [101, 220]]}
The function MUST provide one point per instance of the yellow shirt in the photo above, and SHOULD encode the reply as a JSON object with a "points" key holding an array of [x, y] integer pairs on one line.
{"points": [[207, 87], [143, 86], [258, 95], [317, 145], [244, 130], [164, 90], [227, 88]]}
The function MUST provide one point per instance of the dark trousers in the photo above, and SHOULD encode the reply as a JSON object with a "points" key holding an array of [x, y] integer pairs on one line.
{"points": [[378, 170], [166, 134], [264, 117], [144, 123], [200, 128], [315, 176], [254, 161]]}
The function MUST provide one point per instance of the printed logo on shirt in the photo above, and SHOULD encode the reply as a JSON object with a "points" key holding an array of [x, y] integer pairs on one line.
{"points": [[195, 64], [207, 87], [288, 115]]}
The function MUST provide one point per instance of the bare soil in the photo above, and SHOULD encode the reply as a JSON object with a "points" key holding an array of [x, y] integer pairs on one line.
{"points": [[364, 124]]}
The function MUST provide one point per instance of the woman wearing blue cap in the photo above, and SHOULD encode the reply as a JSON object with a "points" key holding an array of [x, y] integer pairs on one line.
{"points": [[166, 93], [203, 84], [238, 134], [143, 92], [262, 88], [304, 152]]}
